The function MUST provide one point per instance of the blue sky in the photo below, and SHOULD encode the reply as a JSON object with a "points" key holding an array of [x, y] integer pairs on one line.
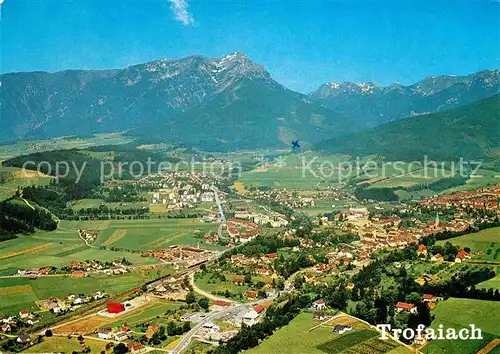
{"points": [[301, 43]]}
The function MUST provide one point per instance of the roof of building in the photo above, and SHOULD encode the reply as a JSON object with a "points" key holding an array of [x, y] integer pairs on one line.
{"points": [[134, 346], [404, 305], [259, 308]]}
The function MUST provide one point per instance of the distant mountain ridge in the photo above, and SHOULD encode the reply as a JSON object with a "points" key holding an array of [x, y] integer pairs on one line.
{"points": [[214, 103], [231, 98], [471, 132], [370, 104]]}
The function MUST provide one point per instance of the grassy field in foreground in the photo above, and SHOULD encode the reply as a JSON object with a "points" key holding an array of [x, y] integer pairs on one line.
{"points": [[18, 293], [484, 244], [299, 337], [461, 313], [65, 345]]}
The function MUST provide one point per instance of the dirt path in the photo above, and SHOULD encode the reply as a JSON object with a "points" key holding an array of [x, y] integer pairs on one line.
{"points": [[489, 347], [206, 294], [115, 236], [27, 250]]}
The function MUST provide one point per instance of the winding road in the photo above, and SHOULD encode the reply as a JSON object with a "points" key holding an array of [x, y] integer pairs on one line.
{"points": [[221, 211]]}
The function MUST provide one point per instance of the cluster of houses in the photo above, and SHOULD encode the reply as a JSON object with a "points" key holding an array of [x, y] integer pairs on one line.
{"points": [[212, 333], [285, 197], [378, 233], [179, 190], [274, 220], [429, 299], [261, 265], [211, 216], [33, 273], [108, 333], [24, 318], [123, 334], [180, 254], [88, 235], [242, 231], [484, 198], [80, 269], [211, 238], [460, 257], [170, 288], [69, 303]]}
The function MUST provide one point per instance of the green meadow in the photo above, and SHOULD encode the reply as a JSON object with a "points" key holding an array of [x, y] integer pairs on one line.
{"points": [[302, 171], [461, 313], [305, 335], [491, 283], [44, 287], [483, 244], [151, 234], [482, 178]]}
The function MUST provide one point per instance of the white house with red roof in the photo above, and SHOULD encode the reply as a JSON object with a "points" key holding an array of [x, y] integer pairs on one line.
{"points": [[24, 313], [428, 298], [319, 304], [403, 306], [462, 256]]}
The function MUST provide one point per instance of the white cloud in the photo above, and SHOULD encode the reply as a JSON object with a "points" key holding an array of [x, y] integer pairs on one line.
{"points": [[181, 13]]}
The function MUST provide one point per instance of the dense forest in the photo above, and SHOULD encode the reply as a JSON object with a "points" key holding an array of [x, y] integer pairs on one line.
{"points": [[18, 216]]}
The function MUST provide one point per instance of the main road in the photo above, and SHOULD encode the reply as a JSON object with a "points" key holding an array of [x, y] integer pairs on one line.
{"points": [[221, 211], [214, 314]]}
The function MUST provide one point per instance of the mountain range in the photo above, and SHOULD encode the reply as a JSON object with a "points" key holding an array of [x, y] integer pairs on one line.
{"points": [[369, 104], [215, 103], [226, 102]]}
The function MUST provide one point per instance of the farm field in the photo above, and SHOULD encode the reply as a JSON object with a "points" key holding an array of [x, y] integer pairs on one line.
{"points": [[403, 194], [19, 293], [298, 338], [63, 245], [483, 178], [151, 313], [294, 171], [65, 142], [373, 174], [460, 313], [91, 323], [57, 248], [408, 179], [485, 244], [152, 233], [65, 345]]}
